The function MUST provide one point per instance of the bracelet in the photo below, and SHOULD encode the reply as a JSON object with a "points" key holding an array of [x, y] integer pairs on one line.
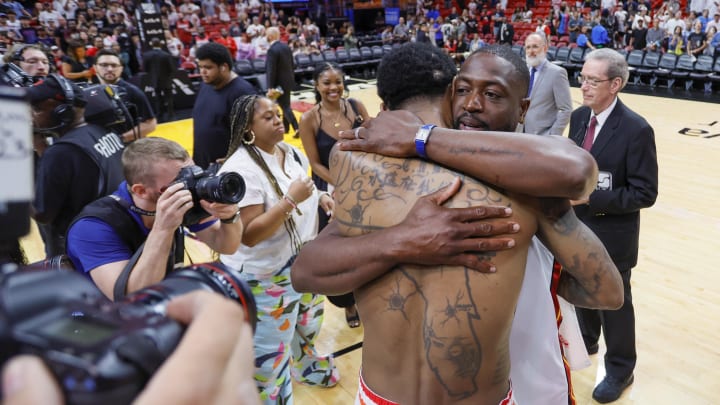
{"points": [[292, 203], [421, 138]]}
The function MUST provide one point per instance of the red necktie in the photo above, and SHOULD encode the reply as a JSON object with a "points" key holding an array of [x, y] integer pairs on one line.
{"points": [[590, 135]]}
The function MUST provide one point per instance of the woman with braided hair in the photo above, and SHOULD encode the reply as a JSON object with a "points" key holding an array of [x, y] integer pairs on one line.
{"points": [[279, 213]]}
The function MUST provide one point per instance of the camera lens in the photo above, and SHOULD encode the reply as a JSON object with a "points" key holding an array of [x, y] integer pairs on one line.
{"points": [[214, 277], [226, 188]]}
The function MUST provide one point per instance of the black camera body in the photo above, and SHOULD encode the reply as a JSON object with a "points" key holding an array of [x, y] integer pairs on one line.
{"points": [[225, 188], [101, 352], [105, 106], [12, 75]]}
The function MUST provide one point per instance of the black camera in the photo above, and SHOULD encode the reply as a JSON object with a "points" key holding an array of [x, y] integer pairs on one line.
{"points": [[105, 106], [101, 352], [12, 75], [226, 188]]}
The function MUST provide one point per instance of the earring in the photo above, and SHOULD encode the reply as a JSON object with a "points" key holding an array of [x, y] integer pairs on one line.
{"points": [[252, 140]]}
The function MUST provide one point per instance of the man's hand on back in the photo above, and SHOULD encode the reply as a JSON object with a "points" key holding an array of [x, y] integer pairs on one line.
{"points": [[453, 236]]}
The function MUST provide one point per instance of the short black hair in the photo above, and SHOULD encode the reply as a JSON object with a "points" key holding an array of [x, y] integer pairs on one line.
{"points": [[505, 52], [106, 52], [215, 52], [413, 70]]}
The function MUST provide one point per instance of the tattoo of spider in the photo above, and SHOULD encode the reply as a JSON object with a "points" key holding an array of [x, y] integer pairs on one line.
{"points": [[357, 212], [396, 301], [451, 310]]}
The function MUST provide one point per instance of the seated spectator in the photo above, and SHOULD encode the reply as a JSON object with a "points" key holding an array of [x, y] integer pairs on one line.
{"points": [[76, 66], [476, 43], [246, 50], [696, 41], [227, 41], [714, 43], [677, 43], [654, 37]]}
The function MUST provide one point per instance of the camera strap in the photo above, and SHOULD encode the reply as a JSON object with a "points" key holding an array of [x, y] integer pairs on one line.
{"points": [[122, 280], [177, 255]]}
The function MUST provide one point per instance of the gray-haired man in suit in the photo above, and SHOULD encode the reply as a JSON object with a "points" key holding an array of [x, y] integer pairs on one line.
{"points": [[549, 93]]}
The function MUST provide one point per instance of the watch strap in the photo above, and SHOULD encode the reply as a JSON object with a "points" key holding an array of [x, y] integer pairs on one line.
{"points": [[421, 139]]}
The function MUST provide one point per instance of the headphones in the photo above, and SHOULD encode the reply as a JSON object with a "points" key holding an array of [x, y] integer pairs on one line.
{"points": [[17, 55], [63, 114]]}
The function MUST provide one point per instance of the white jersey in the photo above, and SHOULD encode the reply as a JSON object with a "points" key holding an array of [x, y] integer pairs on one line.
{"points": [[537, 370]]}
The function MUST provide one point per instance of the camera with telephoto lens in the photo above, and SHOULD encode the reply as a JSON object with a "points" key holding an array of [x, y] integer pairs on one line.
{"points": [[101, 352], [225, 188]]}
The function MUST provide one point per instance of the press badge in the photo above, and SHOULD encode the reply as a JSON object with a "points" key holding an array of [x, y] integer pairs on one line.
{"points": [[604, 181]]}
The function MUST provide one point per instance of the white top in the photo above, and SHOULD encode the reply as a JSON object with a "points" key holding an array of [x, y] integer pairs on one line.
{"points": [[271, 254], [536, 367]]}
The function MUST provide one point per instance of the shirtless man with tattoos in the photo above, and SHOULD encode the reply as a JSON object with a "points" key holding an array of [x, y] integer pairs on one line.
{"points": [[440, 334]]}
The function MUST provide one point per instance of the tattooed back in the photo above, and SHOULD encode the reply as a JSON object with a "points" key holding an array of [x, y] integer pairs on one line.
{"points": [[433, 335]]}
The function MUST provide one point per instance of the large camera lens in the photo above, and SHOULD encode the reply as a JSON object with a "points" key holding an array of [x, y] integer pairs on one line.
{"points": [[214, 277], [226, 188]]}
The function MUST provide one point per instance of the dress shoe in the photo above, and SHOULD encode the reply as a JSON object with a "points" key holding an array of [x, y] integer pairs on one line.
{"points": [[592, 348], [610, 388]]}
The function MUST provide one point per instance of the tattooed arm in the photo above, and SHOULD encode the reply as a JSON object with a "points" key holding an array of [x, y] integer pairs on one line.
{"points": [[429, 235], [558, 167], [590, 278]]}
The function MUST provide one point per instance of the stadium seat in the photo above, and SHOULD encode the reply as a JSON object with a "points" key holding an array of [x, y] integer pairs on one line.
{"points": [[519, 50], [665, 66], [685, 65], [259, 65], [244, 67], [552, 51], [303, 67], [330, 57], [702, 71], [316, 59], [714, 77], [635, 60], [575, 61], [562, 55], [649, 64]]}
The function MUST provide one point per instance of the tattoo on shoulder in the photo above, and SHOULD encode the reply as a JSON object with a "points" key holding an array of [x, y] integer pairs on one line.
{"points": [[363, 179]]}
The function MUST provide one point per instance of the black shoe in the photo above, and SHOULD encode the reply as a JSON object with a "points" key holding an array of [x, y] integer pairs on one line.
{"points": [[610, 388], [592, 348]]}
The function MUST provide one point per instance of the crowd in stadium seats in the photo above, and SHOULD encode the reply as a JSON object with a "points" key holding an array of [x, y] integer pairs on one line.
{"points": [[684, 38]]}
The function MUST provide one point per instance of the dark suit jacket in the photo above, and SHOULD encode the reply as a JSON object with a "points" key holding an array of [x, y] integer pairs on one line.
{"points": [[507, 36], [625, 150], [159, 66], [280, 67]]}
